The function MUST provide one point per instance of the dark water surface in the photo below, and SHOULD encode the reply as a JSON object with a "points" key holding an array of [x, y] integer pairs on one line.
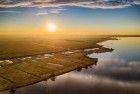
{"points": [[116, 72]]}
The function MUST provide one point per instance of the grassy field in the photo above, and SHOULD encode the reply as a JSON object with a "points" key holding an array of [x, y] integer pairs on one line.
{"points": [[26, 60], [33, 70], [18, 46]]}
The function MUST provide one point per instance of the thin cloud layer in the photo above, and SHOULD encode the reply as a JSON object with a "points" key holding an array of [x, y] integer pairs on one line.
{"points": [[9, 12], [50, 11], [80, 3]]}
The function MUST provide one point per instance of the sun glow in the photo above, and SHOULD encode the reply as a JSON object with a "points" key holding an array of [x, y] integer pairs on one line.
{"points": [[51, 27]]}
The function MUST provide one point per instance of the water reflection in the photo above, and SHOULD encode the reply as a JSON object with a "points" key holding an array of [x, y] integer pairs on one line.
{"points": [[119, 69], [116, 73]]}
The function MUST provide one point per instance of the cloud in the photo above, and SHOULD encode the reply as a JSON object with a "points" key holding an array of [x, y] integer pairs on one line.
{"points": [[5, 1], [51, 11], [137, 2], [44, 13], [118, 69], [9, 11], [12, 4], [107, 4], [78, 83], [57, 11]]}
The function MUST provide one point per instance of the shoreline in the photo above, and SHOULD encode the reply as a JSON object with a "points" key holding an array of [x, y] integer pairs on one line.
{"points": [[67, 68]]}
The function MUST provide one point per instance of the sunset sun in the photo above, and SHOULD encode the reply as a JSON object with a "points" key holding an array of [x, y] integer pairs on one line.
{"points": [[51, 27]]}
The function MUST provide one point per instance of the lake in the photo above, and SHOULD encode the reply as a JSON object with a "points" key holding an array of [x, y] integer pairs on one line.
{"points": [[116, 72]]}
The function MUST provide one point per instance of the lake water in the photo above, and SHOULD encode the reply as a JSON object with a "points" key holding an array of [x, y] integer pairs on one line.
{"points": [[116, 72]]}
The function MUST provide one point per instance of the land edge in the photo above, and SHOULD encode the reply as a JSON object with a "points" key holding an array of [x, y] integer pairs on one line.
{"points": [[94, 61]]}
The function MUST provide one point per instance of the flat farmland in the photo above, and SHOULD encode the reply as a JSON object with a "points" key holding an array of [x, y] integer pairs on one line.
{"points": [[26, 60], [13, 46]]}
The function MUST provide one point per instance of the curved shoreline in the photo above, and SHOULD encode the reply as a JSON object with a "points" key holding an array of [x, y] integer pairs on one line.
{"points": [[71, 62]]}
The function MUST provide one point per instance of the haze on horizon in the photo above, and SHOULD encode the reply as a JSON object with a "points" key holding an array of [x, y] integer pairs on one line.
{"points": [[70, 16]]}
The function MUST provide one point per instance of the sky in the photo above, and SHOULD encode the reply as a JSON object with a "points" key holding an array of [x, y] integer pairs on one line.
{"points": [[70, 16]]}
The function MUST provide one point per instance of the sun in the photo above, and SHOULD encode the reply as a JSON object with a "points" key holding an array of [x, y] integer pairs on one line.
{"points": [[51, 27]]}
